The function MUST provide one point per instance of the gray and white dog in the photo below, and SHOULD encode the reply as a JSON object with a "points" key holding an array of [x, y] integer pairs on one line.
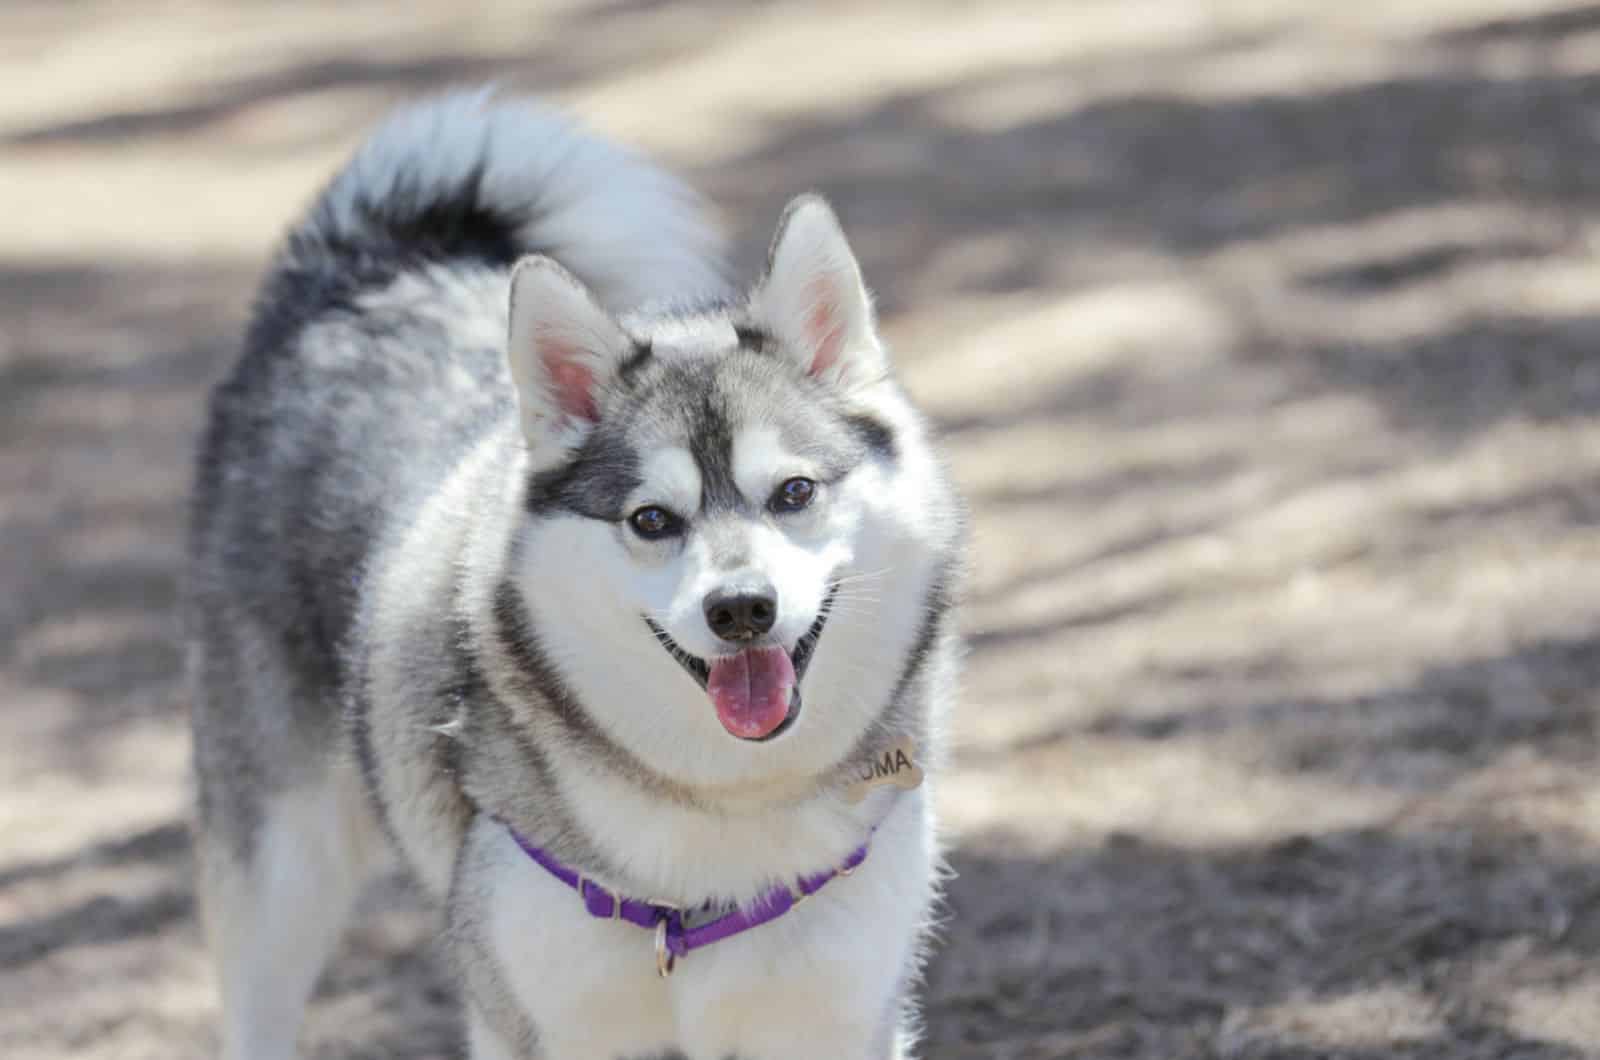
{"points": [[607, 594]]}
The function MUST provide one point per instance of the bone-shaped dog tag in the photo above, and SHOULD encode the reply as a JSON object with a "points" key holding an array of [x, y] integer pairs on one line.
{"points": [[897, 766]]}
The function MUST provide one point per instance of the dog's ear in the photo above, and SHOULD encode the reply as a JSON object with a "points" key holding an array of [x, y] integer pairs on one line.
{"points": [[813, 300], [562, 349]]}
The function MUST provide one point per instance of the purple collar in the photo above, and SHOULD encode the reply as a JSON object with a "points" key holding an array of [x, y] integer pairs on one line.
{"points": [[673, 938]]}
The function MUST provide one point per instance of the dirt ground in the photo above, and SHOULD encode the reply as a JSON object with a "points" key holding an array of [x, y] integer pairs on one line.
{"points": [[1263, 336]]}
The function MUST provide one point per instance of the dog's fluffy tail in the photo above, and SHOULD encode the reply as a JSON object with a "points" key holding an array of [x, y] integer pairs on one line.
{"points": [[468, 176]]}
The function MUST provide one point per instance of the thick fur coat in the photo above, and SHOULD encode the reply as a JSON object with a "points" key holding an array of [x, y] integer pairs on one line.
{"points": [[502, 443]]}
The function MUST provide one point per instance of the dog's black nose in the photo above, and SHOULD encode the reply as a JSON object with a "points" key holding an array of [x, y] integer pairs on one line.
{"points": [[743, 613]]}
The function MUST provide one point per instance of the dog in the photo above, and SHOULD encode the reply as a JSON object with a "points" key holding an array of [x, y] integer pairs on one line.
{"points": [[617, 599]]}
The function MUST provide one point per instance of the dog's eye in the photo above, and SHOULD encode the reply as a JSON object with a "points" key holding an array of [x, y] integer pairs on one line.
{"points": [[652, 522], [793, 495]]}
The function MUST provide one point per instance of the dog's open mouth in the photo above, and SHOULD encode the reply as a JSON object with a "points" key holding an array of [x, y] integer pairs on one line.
{"points": [[756, 691]]}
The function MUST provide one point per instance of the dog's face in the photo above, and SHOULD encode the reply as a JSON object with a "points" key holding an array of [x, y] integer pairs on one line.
{"points": [[733, 524]]}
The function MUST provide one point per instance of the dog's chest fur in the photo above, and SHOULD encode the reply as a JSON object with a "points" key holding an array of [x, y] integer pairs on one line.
{"points": [[754, 994]]}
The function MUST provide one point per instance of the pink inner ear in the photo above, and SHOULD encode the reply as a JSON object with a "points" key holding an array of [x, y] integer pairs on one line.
{"points": [[570, 379], [824, 328]]}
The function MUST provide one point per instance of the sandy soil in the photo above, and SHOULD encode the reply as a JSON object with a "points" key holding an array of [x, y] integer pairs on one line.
{"points": [[1263, 337]]}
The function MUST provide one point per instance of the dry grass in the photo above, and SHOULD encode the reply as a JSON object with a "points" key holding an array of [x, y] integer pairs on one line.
{"points": [[1264, 339]]}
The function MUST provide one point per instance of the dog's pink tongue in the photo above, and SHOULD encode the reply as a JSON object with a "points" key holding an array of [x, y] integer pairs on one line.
{"points": [[751, 691]]}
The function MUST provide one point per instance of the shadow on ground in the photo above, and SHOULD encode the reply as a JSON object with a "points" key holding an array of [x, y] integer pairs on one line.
{"points": [[1219, 948]]}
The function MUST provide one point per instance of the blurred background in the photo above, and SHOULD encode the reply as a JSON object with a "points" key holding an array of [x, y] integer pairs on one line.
{"points": [[1263, 338]]}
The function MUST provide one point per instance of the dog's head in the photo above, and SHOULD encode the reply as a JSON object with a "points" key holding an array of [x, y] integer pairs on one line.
{"points": [[735, 530]]}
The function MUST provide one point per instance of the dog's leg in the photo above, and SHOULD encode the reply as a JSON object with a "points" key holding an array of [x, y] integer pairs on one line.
{"points": [[275, 910]]}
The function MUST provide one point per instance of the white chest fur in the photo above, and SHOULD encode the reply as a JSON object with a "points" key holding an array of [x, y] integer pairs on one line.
{"points": [[822, 980]]}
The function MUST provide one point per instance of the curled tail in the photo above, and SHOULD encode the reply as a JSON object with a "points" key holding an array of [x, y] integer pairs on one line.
{"points": [[468, 176]]}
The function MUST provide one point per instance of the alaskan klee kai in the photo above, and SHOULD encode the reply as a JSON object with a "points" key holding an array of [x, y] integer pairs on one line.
{"points": [[616, 598]]}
